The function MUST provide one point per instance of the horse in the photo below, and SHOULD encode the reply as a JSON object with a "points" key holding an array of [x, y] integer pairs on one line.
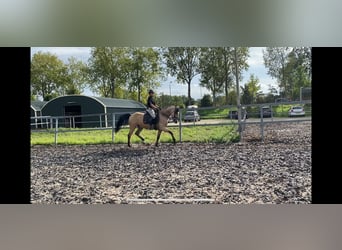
{"points": [[136, 120]]}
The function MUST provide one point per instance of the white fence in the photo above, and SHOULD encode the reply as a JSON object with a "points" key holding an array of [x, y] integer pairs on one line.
{"points": [[106, 121]]}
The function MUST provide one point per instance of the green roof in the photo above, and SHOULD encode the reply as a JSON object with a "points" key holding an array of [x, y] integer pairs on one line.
{"points": [[124, 103]]}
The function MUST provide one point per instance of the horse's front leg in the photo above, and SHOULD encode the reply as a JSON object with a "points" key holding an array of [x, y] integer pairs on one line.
{"points": [[173, 137], [168, 131], [158, 136]]}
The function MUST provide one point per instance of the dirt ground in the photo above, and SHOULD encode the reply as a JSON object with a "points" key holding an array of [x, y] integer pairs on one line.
{"points": [[276, 171]]}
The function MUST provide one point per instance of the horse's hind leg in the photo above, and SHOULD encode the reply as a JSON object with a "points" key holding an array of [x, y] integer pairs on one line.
{"points": [[137, 133], [131, 129]]}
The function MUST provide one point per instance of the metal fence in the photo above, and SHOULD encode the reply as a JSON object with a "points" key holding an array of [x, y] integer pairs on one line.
{"points": [[61, 124], [214, 116]]}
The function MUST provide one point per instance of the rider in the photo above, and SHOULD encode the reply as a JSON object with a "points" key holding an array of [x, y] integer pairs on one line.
{"points": [[151, 106]]}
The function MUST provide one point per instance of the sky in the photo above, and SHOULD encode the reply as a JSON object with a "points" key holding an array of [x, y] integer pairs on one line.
{"points": [[170, 86]]}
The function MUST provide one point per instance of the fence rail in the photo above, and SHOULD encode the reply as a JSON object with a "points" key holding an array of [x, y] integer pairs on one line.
{"points": [[106, 121]]}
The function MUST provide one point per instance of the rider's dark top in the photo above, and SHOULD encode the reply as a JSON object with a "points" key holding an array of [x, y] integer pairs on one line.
{"points": [[149, 101]]}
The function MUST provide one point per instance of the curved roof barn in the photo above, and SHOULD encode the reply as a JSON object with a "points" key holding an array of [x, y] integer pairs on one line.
{"points": [[87, 111]]}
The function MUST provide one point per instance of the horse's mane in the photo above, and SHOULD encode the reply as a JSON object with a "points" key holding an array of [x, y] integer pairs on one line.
{"points": [[170, 107], [167, 111]]}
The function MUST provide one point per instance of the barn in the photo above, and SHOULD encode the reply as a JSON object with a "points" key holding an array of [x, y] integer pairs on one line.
{"points": [[85, 111], [36, 108]]}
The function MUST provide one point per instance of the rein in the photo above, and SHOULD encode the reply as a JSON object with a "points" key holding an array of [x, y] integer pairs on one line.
{"points": [[161, 112], [172, 114]]}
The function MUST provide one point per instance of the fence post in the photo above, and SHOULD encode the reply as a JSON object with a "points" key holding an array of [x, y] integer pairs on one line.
{"points": [[242, 128], [56, 130], [180, 126], [113, 128], [262, 123]]}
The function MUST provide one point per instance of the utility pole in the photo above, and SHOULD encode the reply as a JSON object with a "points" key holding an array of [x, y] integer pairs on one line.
{"points": [[170, 87]]}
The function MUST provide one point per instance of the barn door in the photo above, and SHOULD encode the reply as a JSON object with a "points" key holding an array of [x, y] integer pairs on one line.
{"points": [[73, 122]]}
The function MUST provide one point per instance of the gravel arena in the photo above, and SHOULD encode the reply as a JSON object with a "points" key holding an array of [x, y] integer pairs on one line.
{"points": [[274, 171]]}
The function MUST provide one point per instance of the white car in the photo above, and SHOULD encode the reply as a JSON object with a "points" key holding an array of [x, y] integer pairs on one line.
{"points": [[191, 115], [296, 111]]}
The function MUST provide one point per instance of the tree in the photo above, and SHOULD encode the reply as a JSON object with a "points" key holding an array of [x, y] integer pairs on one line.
{"points": [[48, 76], [275, 60], [206, 101], [227, 54], [304, 55], [166, 100], [217, 68], [210, 67], [251, 90], [107, 70], [183, 63], [232, 96], [76, 76], [240, 63], [144, 70], [272, 90], [242, 54], [291, 67], [297, 72], [246, 95], [220, 100]]}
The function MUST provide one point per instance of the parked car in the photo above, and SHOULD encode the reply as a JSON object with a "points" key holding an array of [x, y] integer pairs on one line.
{"points": [[233, 114], [191, 115], [296, 111], [266, 112]]}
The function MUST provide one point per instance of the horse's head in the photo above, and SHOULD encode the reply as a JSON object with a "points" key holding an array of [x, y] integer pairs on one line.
{"points": [[171, 112], [175, 114]]}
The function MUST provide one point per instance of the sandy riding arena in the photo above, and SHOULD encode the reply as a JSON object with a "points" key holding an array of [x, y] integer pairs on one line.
{"points": [[277, 170]]}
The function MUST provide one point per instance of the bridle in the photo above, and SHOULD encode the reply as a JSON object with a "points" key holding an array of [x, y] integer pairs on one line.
{"points": [[175, 115]]}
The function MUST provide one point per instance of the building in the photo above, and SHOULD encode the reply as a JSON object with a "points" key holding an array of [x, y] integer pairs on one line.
{"points": [[84, 111]]}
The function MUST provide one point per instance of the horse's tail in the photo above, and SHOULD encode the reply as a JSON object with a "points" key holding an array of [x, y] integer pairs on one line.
{"points": [[123, 120]]}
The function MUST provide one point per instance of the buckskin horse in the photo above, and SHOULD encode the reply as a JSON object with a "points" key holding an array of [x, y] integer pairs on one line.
{"points": [[136, 120]]}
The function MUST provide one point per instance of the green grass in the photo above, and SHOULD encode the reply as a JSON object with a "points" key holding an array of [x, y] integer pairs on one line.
{"points": [[222, 134], [214, 113], [210, 134]]}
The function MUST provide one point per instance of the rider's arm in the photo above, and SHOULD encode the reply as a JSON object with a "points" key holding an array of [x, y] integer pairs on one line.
{"points": [[153, 106]]}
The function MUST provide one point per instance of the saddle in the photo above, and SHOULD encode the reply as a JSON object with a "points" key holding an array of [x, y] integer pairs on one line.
{"points": [[147, 118]]}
